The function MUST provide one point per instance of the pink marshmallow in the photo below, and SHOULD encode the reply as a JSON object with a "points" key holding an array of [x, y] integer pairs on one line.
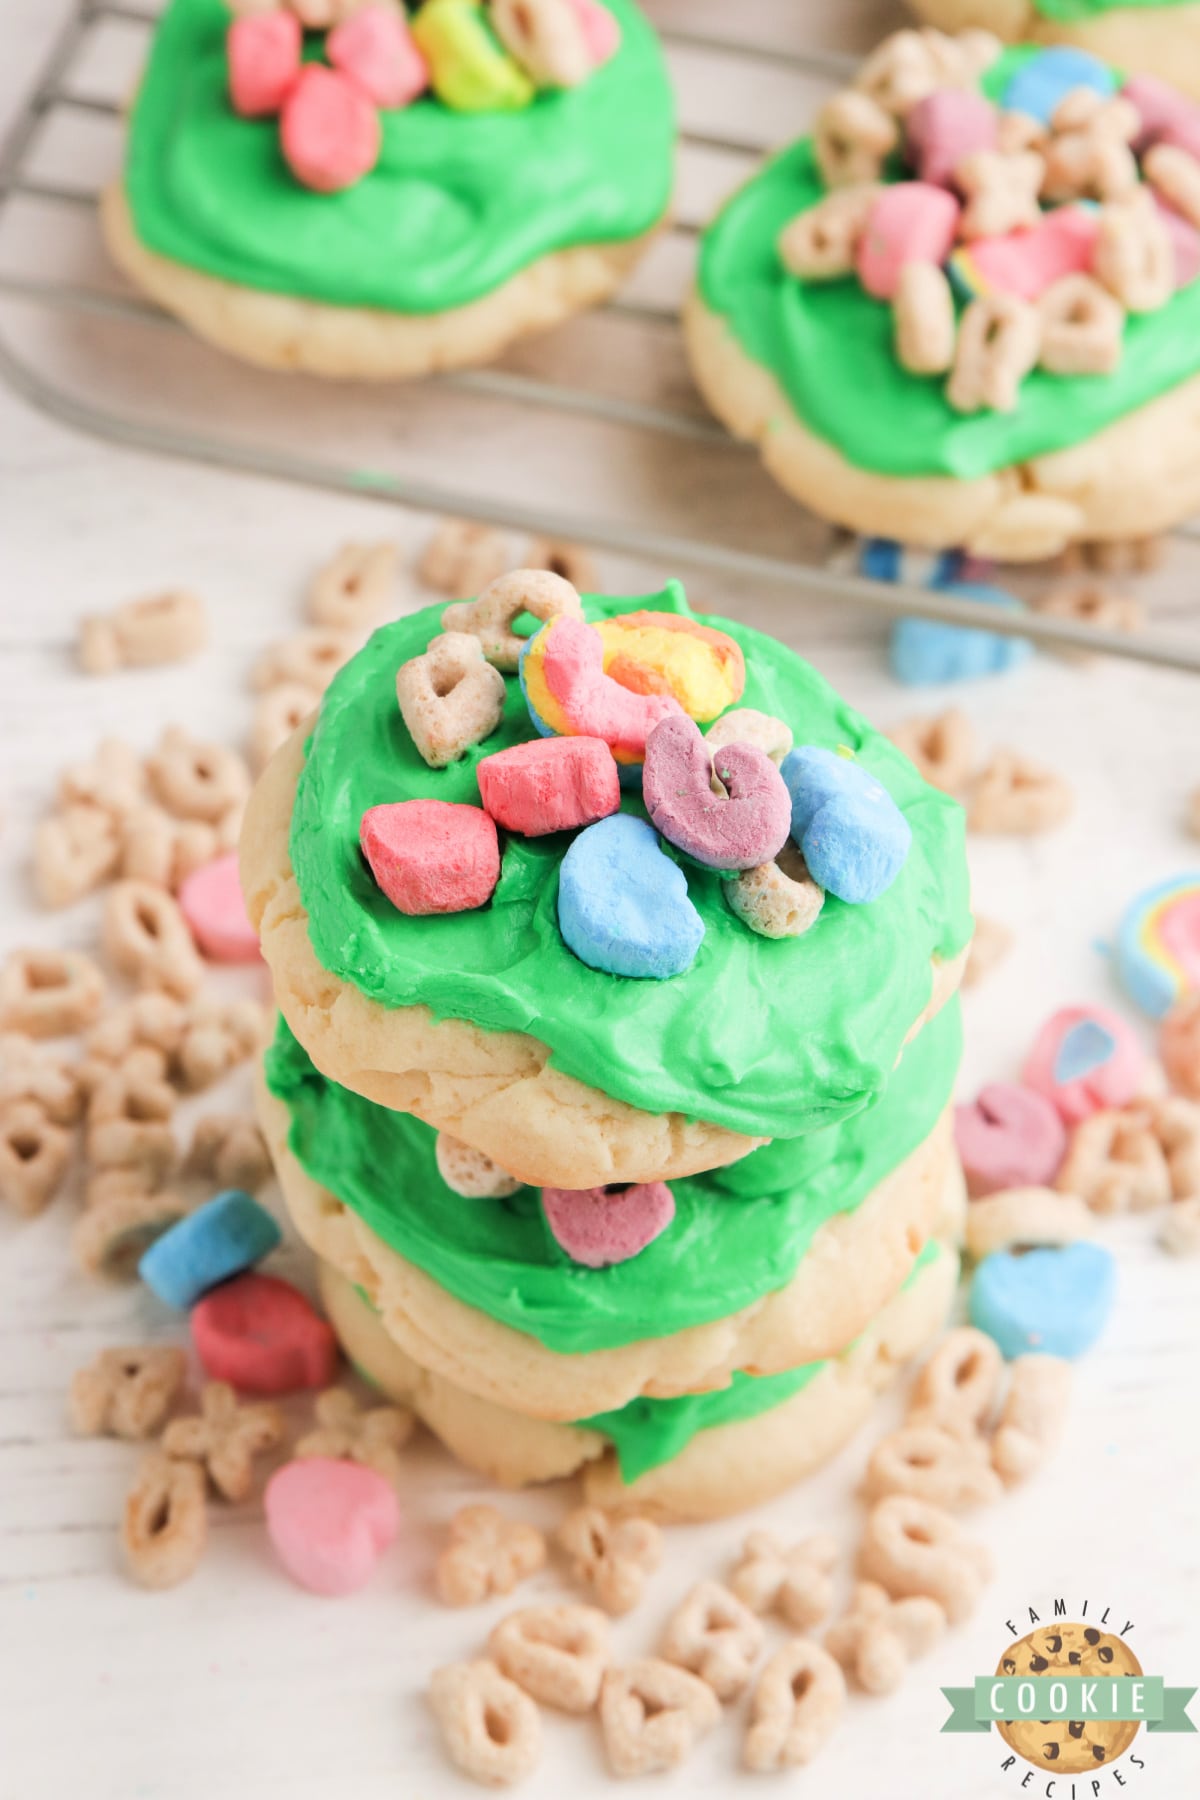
{"points": [[330, 1522], [1085, 1059], [263, 54], [605, 1225], [430, 856], [210, 899], [1010, 1137], [943, 128], [330, 132], [1026, 263], [1185, 243], [550, 784], [911, 221], [601, 33], [739, 829], [1165, 112], [262, 1336], [375, 48]]}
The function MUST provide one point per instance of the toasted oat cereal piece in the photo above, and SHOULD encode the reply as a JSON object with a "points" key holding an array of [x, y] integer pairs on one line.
{"points": [[146, 937], [310, 660], [166, 1522], [486, 1554], [853, 136], [194, 780], [491, 1728], [1001, 192], [999, 338], [75, 851], [1082, 327], [280, 710], [1033, 1417], [1093, 603], [142, 634], [217, 1036], [118, 1227], [612, 1557], [462, 558], [745, 725], [354, 588], [573, 562], [1175, 1123], [1116, 1163], [926, 325], [371, 1435], [990, 945], [228, 1149], [821, 243], [878, 1637], [116, 1182], [1192, 815], [795, 1708], [910, 1547], [1134, 257], [1015, 795], [651, 1714], [469, 1172], [558, 1654], [163, 850], [1089, 165], [961, 1381], [794, 1580], [1175, 175], [30, 1073], [34, 1157], [49, 993], [490, 618], [114, 780], [450, 697], [127, 1393], [941, 1466], [716, 1636], [129, 1121], [1020, 1217], [941, 748], [776, 899], [225, 1438]]}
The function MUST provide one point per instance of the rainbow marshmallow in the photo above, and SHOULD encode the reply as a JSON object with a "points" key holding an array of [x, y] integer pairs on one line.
{"points": [[1158, 945]]}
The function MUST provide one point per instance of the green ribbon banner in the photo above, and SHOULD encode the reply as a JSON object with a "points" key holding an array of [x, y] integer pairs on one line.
{"points": [[1144, 1698]]}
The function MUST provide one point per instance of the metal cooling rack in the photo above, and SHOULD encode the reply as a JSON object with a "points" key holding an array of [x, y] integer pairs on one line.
{"points": [[503, 440]]}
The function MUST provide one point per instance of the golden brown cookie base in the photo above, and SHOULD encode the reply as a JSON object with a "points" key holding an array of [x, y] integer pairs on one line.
{"points": [[720, 1471], [494, 1089], [1138, 476], [1166, 44], [277, 331], [856, 1263]]}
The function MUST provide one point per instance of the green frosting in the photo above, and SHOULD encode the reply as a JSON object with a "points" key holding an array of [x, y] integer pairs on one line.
{"points": [[457, 204], [830, 345], [1067, 12], [770, 1038], [647, 1433], [738, 1234]]}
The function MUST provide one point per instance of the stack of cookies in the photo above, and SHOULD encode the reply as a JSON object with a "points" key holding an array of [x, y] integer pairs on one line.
{"points": [[616, 969]]}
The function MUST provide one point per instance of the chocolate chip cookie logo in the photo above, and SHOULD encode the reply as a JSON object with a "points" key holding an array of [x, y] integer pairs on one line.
{"points": [[1070, 1698]]}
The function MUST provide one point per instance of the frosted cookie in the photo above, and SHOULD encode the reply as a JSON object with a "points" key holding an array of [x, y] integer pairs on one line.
{"points": [[411, 190], [609, 1015], [964, 312], [699, 1456], [1160, 37], [780, 1259]]}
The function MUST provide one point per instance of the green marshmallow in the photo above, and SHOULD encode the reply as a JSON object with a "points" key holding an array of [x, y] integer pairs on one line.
{"points": [[469, 68]]}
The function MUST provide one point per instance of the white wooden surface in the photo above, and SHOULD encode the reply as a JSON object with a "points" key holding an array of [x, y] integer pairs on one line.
{"points": [[237, 1684]]}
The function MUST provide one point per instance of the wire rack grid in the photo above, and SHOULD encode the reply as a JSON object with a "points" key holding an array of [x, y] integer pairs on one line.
{"points": [[517, 445]]}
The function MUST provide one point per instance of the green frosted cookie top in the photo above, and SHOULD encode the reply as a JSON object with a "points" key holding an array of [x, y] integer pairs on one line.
{"points": [[769, 1038], [457, 204]]}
